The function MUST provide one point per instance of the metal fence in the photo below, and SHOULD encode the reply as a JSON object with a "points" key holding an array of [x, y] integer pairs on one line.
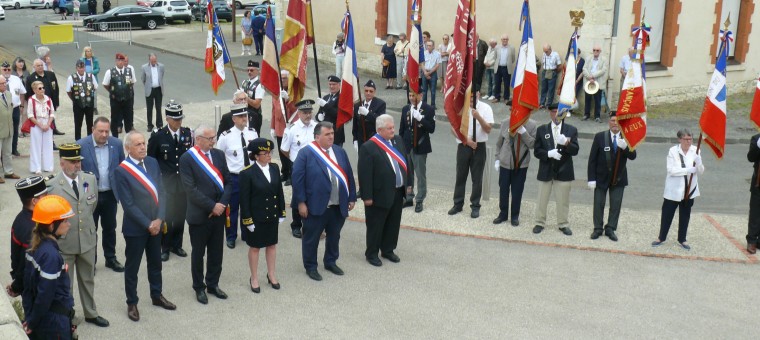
{"points": [[110, 31]]}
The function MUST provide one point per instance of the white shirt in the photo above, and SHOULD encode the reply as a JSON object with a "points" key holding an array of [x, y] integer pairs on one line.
{"points": [[432, 59], [17, 88], [233, 148], [594, 64], [70, 82], [674, 181], [137, 163], [107, 76], [556, 131], [297, 137], [625, 63], [154, 76], [43, 110], [69, 179], [487, 113], [503, 55], [551, 61], [260, 92], [265, 170], [445, 48]]}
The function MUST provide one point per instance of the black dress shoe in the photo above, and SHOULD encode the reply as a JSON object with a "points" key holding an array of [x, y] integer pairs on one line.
{"points": [[55, 147], [16, 153], [162, 302], [257, 289], [115, 265], [595, 235], [566, 231], [375, 261], [288, 182], [475, 213], [231, 244], [179, 252], [408, 203], [538, 229], [611, 234], [274, 285], [297, 233], [515, 222], [218, 292], [58, 133], [200, 295], [314, 275], [455, 210], [585, 117], [98, 321], [333, 268], [150, 128], [418, 207], [391, 257], [499, 220], [133, 313], [164, 256]]}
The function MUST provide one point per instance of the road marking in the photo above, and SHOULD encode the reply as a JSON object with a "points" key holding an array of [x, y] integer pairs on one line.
{"points": [[751, 258]]}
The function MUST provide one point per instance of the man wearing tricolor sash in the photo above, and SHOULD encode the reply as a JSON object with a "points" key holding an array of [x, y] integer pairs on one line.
{"points": [[207, 181], [324, 192], [137, 186], [383, 177]]}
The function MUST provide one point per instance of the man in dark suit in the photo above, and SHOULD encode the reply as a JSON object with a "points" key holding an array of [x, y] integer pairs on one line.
{"points": [[207, 181], [138, 187], [328, 109], [365, 114], [417, 123], [383, 173], [102, 155], [324, 191], [753, 227], [607, 172], [166, 146], [556, 144]]}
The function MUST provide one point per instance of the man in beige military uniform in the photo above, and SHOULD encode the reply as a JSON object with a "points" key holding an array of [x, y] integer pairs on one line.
{"points": [[78, 246]]}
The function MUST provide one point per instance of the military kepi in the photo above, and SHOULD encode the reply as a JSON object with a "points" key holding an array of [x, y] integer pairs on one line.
{"points": [[31, 187], [238, 109], [371, 84], [305, 105], [70, 152], [252, 63], [333, 79], [260, 144], [173, 110]]}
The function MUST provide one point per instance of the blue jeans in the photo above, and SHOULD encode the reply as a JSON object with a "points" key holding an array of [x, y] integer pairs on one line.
{"points": [[429, 84], [547, 88], [511, 180], [502, 77], [489, 77]]}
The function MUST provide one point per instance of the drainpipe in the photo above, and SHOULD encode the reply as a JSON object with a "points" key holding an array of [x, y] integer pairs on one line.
{"points": [[613, 46]]}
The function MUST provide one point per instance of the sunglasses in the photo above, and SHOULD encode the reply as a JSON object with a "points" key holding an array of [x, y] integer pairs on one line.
{"points": [[251, 69], [40, 88], [595, 50], [210, 139]]}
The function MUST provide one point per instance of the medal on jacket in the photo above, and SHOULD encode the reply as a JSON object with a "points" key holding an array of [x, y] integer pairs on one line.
{"points": [[234, 153]]}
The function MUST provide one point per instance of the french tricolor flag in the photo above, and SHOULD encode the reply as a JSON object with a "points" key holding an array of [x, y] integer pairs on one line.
{"points": [[349, 87], [713, 119], [567, 94], [416, 51], [216, 51], [524, 79], [754, 115]]}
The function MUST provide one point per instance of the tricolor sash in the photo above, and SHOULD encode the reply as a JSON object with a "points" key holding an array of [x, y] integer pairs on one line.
{"points": [[390, 150], [141, 176], [208, 168], [330, 164]]}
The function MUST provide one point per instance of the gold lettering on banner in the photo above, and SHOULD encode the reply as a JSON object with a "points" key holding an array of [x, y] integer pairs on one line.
{"points": [[633, 127], [627, 100]]}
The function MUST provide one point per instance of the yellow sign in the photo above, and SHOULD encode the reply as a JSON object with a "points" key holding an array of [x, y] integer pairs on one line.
{"points": [[56, 34]]}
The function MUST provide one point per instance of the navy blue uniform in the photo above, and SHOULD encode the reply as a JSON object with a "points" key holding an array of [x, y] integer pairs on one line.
{"points": [[21, 236], [47, 296]]}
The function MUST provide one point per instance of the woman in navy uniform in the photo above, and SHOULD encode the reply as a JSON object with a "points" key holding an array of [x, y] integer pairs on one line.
{"points": [[30, 190], [47, 300], [262, 208]]}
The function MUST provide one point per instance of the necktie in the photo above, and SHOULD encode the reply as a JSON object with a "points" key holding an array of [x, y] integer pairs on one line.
{"points": [[4, 101], [176, 138], [142, 165], [208, 155], [75, 187], [614, 143], [397, 170], [246, 161], [334, 184]]}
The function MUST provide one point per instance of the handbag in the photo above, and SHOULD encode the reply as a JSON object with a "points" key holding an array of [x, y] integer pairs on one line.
{"points": [[247, 41], [386, 62], [27, 126]]}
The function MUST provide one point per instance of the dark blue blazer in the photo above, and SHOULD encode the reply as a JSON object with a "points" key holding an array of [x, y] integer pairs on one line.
{"points": [[202, 192], [90, 161], [139, 207], [311, 181]]}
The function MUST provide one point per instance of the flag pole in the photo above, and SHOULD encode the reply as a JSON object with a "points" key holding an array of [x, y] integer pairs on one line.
{"points": [[224, 42], [474, 95], [279, 71], [314, 46]]}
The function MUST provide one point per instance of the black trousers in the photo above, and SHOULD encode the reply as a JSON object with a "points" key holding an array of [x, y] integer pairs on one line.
{"points": [[258, 40], [176, 208], [597, 97], [753, 229], [287, 164], [331, 222], [616, 201], [255, 121], [473, 161], [156, 95], [668, 212], [16, 122], [383, 226], [511, 180], [297, 222], [135, 246], [207, 237], [502, 78], [106, 213], [82, 113], [121, 110]]}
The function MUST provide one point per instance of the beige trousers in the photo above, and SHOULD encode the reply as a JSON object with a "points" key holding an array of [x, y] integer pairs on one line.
{"points": [[561, 196]]}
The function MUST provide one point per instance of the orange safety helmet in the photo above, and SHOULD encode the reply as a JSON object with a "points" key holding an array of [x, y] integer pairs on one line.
{"points": [[51, 208]]}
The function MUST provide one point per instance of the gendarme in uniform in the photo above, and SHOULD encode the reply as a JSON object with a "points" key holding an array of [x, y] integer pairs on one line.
{"points": [[296, 137]]}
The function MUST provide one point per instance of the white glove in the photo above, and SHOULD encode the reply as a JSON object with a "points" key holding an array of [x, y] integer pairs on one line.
{"points": [[561, 139], [416, 114], [554, 153], [272, 133], [251, 227], [622, 144], [363, 111], [320, 116], [496, 165], [758, 142], [698, 160], [284, 95], [282, 219], [568, 114], [521, 130], [356, 145], [321, 102], [592, 185], [691, 170]]}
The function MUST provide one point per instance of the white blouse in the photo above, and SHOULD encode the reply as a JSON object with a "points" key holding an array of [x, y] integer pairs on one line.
{"points": [[43, 110], [675, 182]]}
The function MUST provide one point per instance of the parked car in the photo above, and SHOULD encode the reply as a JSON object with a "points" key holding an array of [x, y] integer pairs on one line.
{"points": [[2, 13], [15, 4], [223, 11], [173, 10], [145, 3], [262, 9], [137, 16], [46, 4], [84, 9]]}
